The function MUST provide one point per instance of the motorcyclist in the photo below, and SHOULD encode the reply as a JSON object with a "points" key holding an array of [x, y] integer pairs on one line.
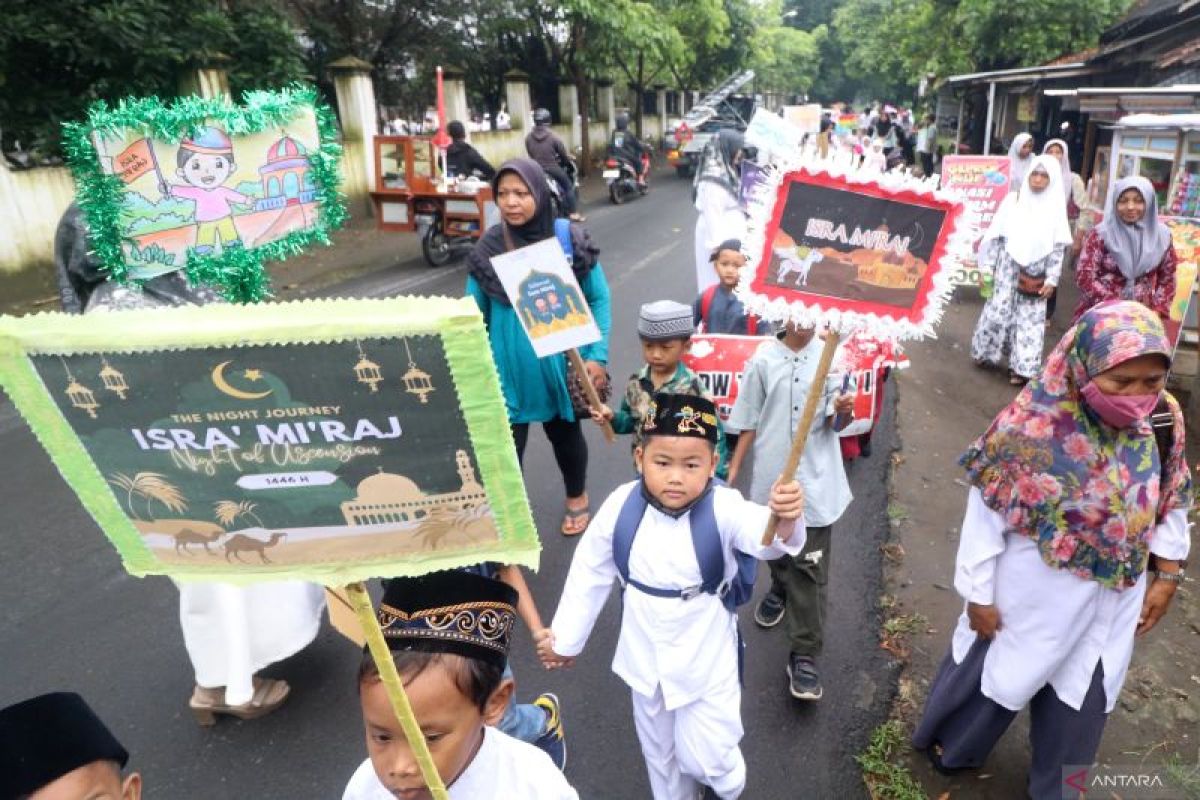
{"points": [[463, 160], [543, 146], [625, 146]]}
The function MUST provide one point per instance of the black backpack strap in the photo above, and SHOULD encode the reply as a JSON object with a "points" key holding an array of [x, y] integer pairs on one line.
{"points": [[1162, 421]]}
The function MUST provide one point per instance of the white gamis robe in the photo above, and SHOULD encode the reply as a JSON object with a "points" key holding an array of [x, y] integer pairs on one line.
{"points": [[232, 632], [1054, 626], [721, 218], [504, 769], [663, 639]]}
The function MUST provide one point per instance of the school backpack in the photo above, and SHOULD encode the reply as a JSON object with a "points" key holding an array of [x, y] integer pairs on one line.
{"points": [[706, 541], [706, 301]]}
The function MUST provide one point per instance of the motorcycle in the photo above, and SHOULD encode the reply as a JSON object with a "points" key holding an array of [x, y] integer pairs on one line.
{"points": [[621, 179], [443, 240]]}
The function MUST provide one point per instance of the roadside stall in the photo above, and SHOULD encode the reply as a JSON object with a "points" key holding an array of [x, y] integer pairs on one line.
{"points": [[412, 194], [1164, 148]]}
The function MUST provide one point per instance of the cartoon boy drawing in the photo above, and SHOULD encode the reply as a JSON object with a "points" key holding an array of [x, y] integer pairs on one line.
{"points": [[205, 162]]}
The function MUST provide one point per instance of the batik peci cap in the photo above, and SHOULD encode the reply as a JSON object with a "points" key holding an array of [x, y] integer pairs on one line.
{"points": [[449, 612], [49, 736], [681, 415], [665, 319]]}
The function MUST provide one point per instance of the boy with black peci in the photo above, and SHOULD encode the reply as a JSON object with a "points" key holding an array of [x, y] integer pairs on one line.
{"points": [[54, 747], [680, 546], [449, 633]]}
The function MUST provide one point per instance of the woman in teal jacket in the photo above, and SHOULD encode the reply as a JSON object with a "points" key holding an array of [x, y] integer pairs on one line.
{"points": [[535, 389]]}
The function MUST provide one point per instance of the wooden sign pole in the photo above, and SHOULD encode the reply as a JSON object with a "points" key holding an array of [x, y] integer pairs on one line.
{"points": [[815, 393], [585, 381], [395, 689]]}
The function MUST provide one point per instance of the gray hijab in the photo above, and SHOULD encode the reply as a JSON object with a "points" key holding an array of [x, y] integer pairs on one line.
{"points": [[1140, 247]]}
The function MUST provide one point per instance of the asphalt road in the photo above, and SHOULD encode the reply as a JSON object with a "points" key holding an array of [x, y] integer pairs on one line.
{"points": [[71, 618]]}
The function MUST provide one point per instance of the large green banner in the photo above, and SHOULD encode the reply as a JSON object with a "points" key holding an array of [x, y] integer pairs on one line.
{"points": [[331, 441]]}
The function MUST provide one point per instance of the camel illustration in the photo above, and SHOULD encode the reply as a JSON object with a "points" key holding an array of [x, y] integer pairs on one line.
{"points": [[789, 263], [240, 543], [186, 537]]}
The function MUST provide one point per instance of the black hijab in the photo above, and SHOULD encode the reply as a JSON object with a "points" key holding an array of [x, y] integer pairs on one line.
{"points": [[539, 228]]}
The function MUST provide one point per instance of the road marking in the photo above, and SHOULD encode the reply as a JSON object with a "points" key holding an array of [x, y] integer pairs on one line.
{"points": [[638, 266]]}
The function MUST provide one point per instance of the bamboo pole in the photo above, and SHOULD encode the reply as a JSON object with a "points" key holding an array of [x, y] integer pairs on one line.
{"points": [[395, 689], [589, 390], [815, 392]]}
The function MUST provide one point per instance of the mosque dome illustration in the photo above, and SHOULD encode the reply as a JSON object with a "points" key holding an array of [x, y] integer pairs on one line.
{"points": [[389, 498], [286, 176]]}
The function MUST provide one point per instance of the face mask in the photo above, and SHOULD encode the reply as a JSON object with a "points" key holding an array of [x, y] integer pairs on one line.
{"points": [[1120, 411]]}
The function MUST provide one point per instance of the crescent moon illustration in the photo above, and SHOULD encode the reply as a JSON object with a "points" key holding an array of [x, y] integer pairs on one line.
{"points": [[218, 379]]}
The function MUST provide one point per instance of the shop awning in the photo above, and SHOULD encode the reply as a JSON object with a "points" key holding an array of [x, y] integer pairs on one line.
{"points": [[1115, 101], [1024, 74]]}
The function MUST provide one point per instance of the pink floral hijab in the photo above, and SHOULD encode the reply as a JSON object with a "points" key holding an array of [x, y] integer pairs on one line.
{"points": [[1087, 494]]}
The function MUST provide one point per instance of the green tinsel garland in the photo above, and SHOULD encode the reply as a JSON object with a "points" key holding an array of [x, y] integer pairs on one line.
{"points": [[238, 272]]}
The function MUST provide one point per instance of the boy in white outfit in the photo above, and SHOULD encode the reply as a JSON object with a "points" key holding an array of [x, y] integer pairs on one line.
{"points": [[679, 545]]}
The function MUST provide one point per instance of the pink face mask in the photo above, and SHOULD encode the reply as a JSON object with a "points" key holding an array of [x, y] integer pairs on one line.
{"points": [[1120, 411]]}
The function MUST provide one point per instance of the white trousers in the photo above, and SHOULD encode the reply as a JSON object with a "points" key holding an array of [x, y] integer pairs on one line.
{"points": [[693, 745]]}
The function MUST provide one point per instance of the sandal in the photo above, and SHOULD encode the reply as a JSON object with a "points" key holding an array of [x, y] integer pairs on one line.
{"points": [[269, 695], [571, 524], [1016, 380]]}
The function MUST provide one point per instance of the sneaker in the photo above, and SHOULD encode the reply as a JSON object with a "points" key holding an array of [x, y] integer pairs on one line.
{"points": [[803, 681], [770, 609], [552, 740]]}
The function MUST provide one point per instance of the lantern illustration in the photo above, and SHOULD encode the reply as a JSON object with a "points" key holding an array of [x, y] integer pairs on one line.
{"points": [[113, 380], [416, 380], [367, 371], [81, 397]]}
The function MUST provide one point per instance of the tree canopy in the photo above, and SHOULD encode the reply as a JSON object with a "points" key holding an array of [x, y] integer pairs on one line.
{"points": [[57, 56]]}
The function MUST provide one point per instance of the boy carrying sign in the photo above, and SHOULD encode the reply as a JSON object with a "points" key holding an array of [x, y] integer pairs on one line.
{"points": [[678, 543]]}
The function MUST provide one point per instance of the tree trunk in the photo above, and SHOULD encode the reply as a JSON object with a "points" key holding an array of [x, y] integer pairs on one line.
{"points": [[583, 86], [638, 91]]}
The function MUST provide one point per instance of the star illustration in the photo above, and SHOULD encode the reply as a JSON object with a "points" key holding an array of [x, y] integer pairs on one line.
{"points": [[252, 375]]}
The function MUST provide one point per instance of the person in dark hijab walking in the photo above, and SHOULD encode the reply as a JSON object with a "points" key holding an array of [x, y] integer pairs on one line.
{"points": [[537, 389], [1128, 256]]}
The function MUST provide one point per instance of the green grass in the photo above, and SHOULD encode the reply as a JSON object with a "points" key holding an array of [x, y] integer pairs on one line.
{"points": [[884, 773], [897, 512], [1185, 776]]}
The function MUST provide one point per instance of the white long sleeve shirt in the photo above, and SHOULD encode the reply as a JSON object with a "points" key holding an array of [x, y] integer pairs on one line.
{"points": [[504, 768], [1054, 626], [684, 646]]}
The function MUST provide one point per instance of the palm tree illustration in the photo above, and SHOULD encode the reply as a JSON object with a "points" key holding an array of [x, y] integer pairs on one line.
{"points": [[151, 487], [228, 512]]}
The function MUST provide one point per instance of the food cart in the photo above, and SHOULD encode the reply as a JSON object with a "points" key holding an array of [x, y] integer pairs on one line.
{"points": [[412, 194]]}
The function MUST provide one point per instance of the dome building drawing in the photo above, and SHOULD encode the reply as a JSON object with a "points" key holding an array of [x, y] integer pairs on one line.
{"points": [[286, 177], [389, 498]]}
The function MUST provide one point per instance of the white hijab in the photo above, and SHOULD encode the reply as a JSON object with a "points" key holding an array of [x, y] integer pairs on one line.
{"points": [[1019, 165], [1031, 223], [1067, 175]]}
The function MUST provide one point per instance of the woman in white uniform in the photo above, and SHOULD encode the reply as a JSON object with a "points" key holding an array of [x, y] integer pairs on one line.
{"points": [[231, 632], [718, 185], [1072, 545]]}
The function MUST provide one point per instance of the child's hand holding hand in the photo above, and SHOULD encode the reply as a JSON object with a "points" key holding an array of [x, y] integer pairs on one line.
{"points": [[544, 639], [601, 415], [787, 500]]}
